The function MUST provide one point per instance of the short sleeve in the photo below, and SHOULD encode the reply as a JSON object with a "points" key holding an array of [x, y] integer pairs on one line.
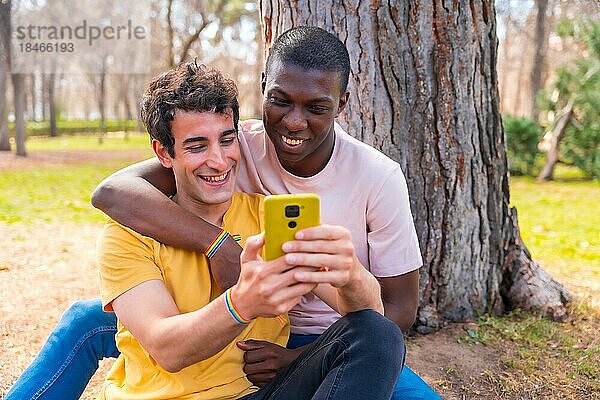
{"points": [[393, 243], [125, 259]]}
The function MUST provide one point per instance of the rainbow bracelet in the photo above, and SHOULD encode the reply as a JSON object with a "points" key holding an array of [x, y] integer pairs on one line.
{"points": [[212, 249], [234, 313]]}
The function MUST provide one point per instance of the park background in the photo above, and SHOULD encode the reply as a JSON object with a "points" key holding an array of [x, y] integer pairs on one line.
{"points": [[80, 128]]}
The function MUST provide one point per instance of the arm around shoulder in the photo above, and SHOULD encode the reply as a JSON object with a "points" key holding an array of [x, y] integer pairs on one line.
{"points": [[136, 197]]}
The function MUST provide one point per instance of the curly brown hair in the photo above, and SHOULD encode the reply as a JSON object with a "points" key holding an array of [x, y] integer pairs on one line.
{"points": [[188, 87]]}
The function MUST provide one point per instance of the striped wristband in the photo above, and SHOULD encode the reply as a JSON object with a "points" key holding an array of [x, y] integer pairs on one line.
{"points": [[234, 313], [212, 249]]}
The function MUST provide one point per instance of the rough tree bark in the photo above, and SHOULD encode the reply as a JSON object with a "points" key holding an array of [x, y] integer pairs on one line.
{"points": [[424, 90]]}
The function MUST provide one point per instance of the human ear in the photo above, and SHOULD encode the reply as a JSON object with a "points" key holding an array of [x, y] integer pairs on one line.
{"points": [[343, 101], [162, 154]]}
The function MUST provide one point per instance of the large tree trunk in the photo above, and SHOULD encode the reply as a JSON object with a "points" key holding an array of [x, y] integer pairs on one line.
{"points": [[4, 70], [423, 89], [538, 58]]}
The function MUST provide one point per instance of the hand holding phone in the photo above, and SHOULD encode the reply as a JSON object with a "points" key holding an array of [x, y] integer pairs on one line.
{"points": [[286, 214]]}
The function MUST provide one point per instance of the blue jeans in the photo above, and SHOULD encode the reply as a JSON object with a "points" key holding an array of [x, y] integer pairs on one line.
{"points": [[86, 334], [409, 385]]}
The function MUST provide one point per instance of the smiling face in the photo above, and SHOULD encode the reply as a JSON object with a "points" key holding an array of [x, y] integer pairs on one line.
{"points": [[299, 109], [207, 155]]}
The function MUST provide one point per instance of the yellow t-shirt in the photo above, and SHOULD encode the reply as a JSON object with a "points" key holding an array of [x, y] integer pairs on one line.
{"points": [[126, 259]]}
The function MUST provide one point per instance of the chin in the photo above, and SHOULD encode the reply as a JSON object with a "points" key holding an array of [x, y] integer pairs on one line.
{"points": [[219, 198]]}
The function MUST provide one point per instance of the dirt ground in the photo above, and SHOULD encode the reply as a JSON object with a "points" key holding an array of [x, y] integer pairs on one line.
{"points": [[42, 274]]}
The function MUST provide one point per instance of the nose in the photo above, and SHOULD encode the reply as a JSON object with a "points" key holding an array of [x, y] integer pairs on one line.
{"points": [[294, 120], [217, 159]]}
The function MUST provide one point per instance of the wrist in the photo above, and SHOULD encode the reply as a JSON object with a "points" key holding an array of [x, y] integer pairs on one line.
{"points": [[237, 307], [357, 278]]}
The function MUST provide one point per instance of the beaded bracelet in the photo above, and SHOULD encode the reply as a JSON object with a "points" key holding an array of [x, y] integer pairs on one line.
{"points": [[232, 310]]}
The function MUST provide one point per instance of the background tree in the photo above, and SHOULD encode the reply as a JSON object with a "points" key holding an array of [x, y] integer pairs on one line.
{"points": [[51, 98], [540, 41], [424, 90], [18, 84], [575, 105], [4, 71], [199, 14]]}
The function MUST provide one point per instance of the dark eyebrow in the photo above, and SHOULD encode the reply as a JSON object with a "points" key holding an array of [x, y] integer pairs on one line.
{"points": [[324, 99], [204, 139]]}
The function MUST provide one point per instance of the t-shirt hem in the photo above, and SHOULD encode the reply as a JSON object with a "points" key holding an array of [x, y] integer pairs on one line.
{"points": [[390, 274]]}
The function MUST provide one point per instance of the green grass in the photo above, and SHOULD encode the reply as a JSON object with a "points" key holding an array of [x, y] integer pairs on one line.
{"points": [[135, 141], [536, 348], [560, 222], [61, 193], [52, 195]]}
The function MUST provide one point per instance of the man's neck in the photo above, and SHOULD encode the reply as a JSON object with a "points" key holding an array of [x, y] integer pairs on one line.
{"points": [[212, 213]]}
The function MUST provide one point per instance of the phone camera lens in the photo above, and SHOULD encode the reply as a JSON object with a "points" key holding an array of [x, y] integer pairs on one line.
{"points": [[292, 224], [292, 211]]}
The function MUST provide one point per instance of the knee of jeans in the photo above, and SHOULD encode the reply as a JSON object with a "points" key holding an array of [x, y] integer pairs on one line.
{"points": [[84, 313], [377, 330]]}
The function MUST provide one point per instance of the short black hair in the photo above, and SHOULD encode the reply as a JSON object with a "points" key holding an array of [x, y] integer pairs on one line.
{"points": [[188, 87], [310, 47]]}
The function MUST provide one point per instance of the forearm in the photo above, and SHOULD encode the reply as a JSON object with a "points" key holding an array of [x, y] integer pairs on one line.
{"points": [[132, 197], [182, 340], [401, 298]]}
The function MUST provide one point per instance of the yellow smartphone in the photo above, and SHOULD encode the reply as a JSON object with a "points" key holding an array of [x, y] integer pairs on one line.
{"points": [[285, 214]]}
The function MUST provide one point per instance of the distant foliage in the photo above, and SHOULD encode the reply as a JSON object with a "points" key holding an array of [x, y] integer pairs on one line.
{"points": [[581, 83], [522, 138], [76, 127]]}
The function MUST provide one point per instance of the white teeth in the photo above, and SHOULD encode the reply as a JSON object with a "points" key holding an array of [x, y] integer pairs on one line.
{"points": [[291, 142], [217, 178]]}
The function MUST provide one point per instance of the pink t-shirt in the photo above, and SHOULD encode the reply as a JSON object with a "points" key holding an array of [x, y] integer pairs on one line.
{"points": [[360, 188]]}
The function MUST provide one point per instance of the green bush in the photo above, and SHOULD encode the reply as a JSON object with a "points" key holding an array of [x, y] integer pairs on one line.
{"points": [[581, 147], [522, 138]]}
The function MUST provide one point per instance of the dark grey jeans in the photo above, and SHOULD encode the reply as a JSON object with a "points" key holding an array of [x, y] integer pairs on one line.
{"points": [[358, 357]]}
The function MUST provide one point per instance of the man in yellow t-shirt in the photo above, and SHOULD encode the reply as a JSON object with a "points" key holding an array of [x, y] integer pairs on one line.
{"points": [[178, 335], [130, 262]]}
